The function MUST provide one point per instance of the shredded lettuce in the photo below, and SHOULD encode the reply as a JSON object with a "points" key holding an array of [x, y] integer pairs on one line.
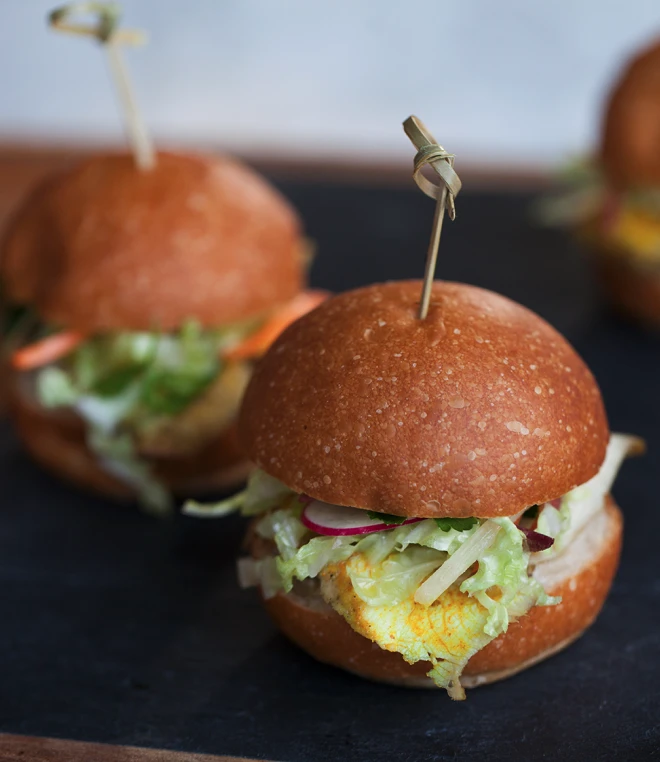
{"points": [[116, 452], [582, 197], [262, 493], [503, 569], [306, 560], [386, 568], [371, 580], [555, 523], [586, 500], [285, 528], [581, 504], [55, 388], [585, 194], [446, 633], [397, 577], [262, 572], [126, 383], [400, 559]]}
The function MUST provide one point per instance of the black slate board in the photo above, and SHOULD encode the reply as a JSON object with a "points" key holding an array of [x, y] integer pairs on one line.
{"points": [[120, 629]]}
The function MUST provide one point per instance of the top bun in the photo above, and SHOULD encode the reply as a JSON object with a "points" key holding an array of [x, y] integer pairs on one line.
{"points": [[105, 246], [482, 409], [630, 145]]}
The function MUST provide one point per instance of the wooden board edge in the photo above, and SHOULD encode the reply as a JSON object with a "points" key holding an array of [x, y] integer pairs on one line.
{"points": [[16, 748]]}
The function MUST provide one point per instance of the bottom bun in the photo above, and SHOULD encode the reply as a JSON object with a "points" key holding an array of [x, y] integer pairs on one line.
{"points": [[582, 575], [632, 291], [631, 288], [56, 439]]}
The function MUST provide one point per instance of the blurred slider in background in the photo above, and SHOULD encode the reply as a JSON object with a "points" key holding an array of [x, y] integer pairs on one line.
{"points": [[613, 206], [140, 289]]}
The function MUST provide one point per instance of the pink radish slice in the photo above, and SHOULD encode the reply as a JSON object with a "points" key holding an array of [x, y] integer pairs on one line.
{"points": [[340, 520]]}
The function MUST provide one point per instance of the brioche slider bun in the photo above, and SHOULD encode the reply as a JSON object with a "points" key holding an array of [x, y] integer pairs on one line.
{"points": [[480, 410], [629, 146], [103, 248]]}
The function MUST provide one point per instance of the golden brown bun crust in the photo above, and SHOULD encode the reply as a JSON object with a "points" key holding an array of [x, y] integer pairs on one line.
{"points": [[482, 409], [56, 440], [104, 246], [324, 634], [631, 130]]}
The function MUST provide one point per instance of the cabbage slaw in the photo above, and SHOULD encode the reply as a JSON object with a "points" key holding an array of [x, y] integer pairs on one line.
{"points": [[122, 384]]}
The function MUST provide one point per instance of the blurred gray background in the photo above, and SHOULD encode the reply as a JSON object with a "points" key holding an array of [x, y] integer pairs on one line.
{"points": [[517, 82]]}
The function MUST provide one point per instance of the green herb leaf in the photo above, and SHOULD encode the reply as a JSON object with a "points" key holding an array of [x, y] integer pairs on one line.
{"points": [[168, 393], [459, 524], [532, 512], [386, 518], [117, 381]]}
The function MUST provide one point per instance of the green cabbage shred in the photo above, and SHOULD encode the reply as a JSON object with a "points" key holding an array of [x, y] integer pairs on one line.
{"points": [[121, 383], [262, 493], [585, 191], [399, 559]]}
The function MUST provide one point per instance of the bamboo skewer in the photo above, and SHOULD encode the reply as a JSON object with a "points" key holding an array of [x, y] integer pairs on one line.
{"points": [[138, 136], [429, 151], [107, 33]]}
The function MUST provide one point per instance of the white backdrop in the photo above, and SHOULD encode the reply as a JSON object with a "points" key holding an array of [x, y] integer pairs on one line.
{"points": [[515, 80]]}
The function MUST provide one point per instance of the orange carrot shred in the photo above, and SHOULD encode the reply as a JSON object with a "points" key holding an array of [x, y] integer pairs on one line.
{"points": [[46, 350], [257, 343]]}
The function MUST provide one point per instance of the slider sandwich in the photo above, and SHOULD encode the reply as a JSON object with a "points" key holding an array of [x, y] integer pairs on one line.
{"points": [[432, 502], [136, 303], [614, 205]]}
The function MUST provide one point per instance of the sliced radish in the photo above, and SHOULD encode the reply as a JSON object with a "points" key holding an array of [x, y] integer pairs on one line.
{"points": [[340, 520]]}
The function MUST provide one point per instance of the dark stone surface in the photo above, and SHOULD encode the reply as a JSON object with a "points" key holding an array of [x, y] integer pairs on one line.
{"points": [[118, 628]]}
